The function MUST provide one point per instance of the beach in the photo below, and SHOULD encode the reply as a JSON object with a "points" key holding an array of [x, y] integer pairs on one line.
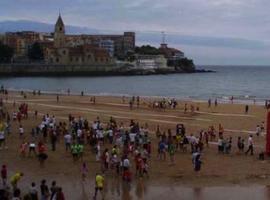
{"points": [[218, 170]]}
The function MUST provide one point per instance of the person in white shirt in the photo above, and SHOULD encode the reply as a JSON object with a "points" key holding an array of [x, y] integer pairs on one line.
{"points": [[100, 135], [95, 125], [193, 142], [118, 141], [250, 145], [33, 191], [110, 135], [2, 136], [258, 130], [14, 116], [132, 137], [126, 163], [21, 131], [68, 139], [220, 145], [32, 148], [97, 149], [79, 134], [53, 120]]}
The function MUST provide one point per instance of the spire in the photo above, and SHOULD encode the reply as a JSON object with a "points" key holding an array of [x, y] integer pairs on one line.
{"points": [[59, 20]]}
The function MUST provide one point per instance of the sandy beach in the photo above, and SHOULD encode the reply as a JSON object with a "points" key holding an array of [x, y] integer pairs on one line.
{"points": [[217, 170]]}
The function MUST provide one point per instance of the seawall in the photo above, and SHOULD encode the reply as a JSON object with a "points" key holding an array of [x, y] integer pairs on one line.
{"points": [[33, 69]]}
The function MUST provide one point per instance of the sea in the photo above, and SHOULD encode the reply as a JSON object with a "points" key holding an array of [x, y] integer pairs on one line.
{"points": [[247, 84]]}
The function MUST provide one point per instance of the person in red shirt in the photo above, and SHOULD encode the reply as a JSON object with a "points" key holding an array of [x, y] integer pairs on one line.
{"points": [[60, 195], [4, 174], [220, 130], [19, 117], [42, 153], [138, 160]]}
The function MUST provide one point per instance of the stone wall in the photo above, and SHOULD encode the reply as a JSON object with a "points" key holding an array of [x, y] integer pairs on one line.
{"points": [[57, 70], [79, 70]]}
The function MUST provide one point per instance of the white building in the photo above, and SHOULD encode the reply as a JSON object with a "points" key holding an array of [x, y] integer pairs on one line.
{"points": [[151, 61]]}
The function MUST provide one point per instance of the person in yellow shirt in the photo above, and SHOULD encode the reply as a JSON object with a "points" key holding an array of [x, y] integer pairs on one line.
{"points": [[15, 179], [99, 185], [1, 125]]}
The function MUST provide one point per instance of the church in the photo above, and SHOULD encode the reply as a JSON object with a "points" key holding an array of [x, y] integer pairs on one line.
{"points": [[87, 49]]}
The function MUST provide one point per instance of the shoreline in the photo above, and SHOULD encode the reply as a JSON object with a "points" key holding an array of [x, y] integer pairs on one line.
{"points": [[63, 92], [40, 70]]}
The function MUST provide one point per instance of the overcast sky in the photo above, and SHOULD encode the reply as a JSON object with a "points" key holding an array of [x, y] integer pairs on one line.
{"points": [[209, 31]]}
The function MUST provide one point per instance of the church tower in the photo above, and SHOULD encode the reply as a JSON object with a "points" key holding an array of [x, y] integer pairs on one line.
{"points": [[59, 33]]}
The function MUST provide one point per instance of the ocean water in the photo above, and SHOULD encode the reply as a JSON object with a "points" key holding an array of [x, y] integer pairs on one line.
{"points": [[245, 83]]}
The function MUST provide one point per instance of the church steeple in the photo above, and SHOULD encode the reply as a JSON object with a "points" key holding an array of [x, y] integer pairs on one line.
{"points": [[59, 32], [59, 26]]}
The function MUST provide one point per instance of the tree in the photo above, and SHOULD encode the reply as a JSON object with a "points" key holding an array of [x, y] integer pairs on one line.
{"points": [[183, 64], [130, 56], [6, 53], [35, 52], [147, 50]]}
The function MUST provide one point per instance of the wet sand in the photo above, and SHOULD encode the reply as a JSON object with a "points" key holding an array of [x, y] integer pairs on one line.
{"points": [[244, 176]]}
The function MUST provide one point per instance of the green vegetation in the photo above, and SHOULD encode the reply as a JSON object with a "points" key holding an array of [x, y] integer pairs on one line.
{"points": [[183, 64], [130, 56], [147, 50], [6, 53], [35, 52]]}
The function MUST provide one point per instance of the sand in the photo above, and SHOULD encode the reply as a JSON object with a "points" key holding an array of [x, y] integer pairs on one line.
{"points": [[217, 170]]}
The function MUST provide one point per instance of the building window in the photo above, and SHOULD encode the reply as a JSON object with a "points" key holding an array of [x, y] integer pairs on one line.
{"points": [[77, 59], [64, 52], [57, 60]]}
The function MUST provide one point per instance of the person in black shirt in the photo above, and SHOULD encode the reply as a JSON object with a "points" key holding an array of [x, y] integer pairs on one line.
{"points": [[44, 190], [53, 189]]}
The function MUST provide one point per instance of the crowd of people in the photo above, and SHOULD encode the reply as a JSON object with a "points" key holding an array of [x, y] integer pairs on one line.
{"points": [[122, 149]]}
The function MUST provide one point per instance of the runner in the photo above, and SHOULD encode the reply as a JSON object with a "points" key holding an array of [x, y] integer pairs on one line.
{"points": [[68, 139], [99, 181], [53, 190], [84, 171], [32, 148], [42, 156], [171, 151], [23, 148], [98, 151], [2, 136], [74, 152], [196, 161], [33, 192], [21, 132], [44, 190], [4, 175], [250, 145], [15, 179]]}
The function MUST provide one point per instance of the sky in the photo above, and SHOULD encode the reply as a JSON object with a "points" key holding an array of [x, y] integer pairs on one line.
{"points": [[224, 32]]}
